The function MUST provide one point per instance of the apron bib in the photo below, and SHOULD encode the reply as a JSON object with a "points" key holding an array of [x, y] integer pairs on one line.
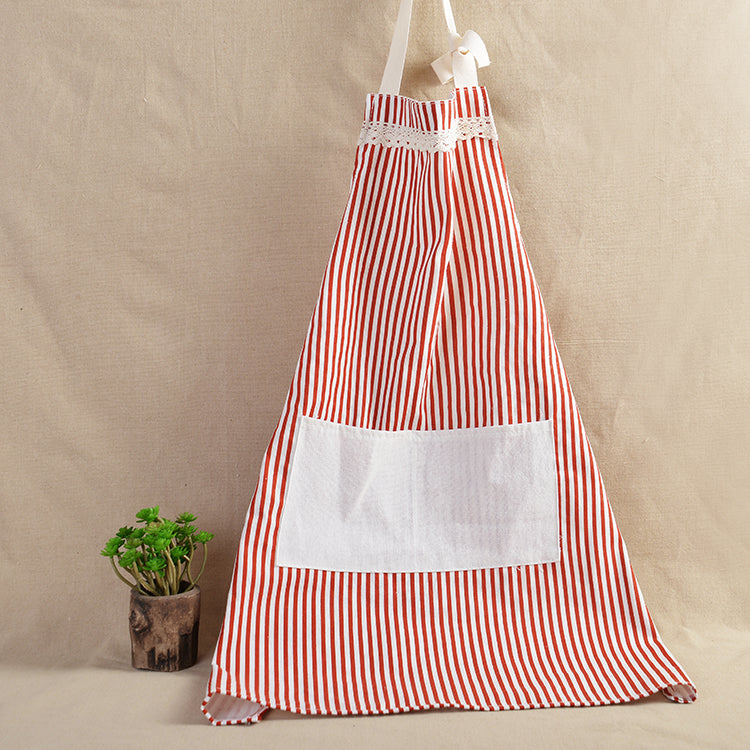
{"points": [[430, 528]]}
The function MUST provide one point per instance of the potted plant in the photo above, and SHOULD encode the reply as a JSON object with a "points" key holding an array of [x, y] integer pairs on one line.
{"points": [[155, 560]]}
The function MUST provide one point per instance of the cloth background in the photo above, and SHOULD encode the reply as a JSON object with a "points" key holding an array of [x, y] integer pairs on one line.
{"points": [[172, 177]]}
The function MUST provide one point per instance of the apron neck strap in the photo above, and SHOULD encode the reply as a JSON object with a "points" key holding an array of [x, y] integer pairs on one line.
{"points": [[460, 62]]}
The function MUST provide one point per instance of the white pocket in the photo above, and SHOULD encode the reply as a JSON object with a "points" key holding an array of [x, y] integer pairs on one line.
{"points": [[415, 500]]}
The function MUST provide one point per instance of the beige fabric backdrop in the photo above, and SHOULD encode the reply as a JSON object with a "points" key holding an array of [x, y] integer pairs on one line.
{"points": [[172, 177]]}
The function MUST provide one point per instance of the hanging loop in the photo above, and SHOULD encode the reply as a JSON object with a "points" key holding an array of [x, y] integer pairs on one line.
{"points": [[465, 53]]}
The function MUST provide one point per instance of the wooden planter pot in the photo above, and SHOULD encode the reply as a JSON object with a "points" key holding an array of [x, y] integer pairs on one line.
{"points": [[164, 630]]}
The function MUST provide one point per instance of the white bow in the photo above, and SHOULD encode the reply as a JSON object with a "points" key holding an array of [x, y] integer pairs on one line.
{"points": [[467, 52]]}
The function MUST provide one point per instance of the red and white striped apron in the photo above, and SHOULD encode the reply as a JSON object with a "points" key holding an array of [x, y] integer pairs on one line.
{"points": [[430, 527]]}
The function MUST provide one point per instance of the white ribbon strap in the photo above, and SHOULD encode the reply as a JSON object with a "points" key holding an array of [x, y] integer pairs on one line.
{"points": [[466, 53], [394, 66], [460, 62]]}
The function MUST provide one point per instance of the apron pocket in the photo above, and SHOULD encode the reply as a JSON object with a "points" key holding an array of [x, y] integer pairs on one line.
{"points": [[419, 500]]}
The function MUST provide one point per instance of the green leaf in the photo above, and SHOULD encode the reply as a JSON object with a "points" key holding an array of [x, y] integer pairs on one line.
{"points": [[178, 553], [130, 558], [149, 537], [168, 529], [160, 544], [112, 547], [186, 518], [155, 563], [125, 532], [148, 515], [204, 537]]}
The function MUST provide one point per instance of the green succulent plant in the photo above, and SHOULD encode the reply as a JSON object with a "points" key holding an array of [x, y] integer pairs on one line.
{"points": [[158, 555]]}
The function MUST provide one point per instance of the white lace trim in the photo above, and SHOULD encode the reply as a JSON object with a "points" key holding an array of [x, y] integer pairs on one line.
{"points": [[402, 136]]}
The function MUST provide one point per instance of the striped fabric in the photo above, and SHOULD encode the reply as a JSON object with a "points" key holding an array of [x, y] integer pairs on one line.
{"points": [[429, 318]]}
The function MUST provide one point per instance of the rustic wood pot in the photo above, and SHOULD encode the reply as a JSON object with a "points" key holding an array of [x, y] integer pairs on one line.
{"points": [[164, 630]]}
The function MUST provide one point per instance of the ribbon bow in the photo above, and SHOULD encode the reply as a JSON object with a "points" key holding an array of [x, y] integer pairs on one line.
{"points": [[460, 60]]}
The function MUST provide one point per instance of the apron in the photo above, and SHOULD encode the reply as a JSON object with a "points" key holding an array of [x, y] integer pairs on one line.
{"points": [[430, 528]]}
